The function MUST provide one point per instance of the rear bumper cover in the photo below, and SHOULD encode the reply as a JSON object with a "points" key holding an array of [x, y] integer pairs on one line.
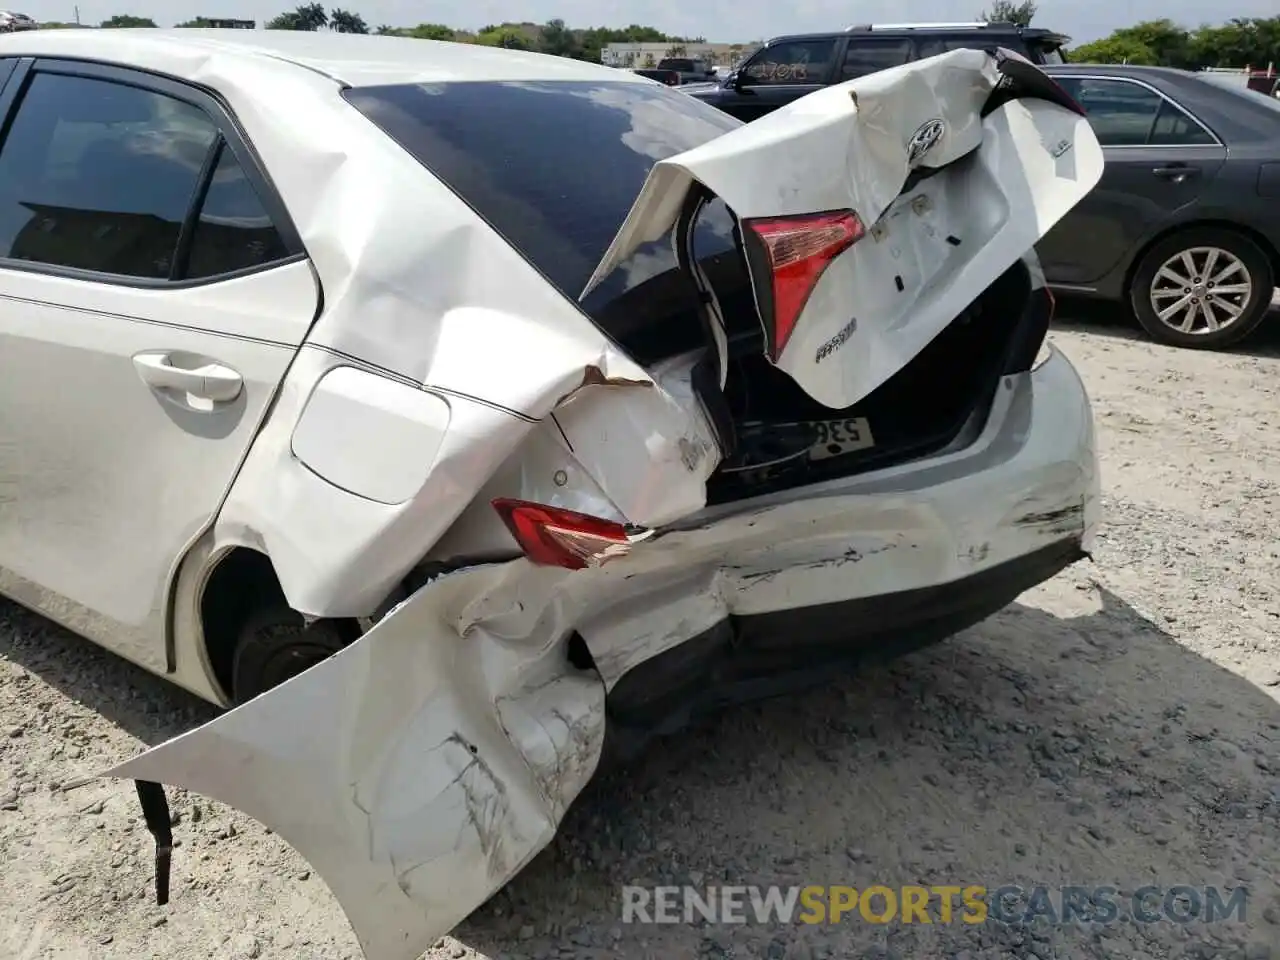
{"points": [[749, 658], [421, 768]]}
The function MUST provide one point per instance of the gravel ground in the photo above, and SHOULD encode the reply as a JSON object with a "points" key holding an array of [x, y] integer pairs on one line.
{"points": [[1117, 726]]}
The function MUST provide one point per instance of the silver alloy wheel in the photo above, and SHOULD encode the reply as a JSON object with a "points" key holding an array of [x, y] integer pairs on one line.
{"points": [[1201, 290]]}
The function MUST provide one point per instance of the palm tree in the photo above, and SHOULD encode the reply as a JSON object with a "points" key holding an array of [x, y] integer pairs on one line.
{"points": [[343, 21], [310, 16]]}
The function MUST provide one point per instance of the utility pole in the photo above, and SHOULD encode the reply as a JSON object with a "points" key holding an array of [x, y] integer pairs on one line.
{"points": [[77, 16]]}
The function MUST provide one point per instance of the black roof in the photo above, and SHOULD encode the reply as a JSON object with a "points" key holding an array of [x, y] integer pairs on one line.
{"points": [[1123, 69], [934, 29], [1162, 76]]}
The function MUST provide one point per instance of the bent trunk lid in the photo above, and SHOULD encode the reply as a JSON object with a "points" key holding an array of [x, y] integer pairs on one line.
{"points": [[928, 253]]}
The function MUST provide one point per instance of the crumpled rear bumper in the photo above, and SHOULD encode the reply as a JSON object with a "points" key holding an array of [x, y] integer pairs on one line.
{"points": [[422, 767], [417, 771]]}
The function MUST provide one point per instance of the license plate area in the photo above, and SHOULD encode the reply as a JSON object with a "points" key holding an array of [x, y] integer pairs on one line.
{"points": [[835, 438]]}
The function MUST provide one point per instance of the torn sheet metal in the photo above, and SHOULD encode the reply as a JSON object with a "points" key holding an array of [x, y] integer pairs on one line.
{"points": [[1004, 181], [417, 771]]}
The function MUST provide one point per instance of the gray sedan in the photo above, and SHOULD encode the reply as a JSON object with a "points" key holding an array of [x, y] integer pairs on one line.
{"points": [[1185, 225]]}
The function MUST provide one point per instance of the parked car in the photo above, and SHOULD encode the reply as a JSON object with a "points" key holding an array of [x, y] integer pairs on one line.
{"points": [[787, 68], [1185, 224], [670, 78], [523, 386], [691, 70], [12, 22]]}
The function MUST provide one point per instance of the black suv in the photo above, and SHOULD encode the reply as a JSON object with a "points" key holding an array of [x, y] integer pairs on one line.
{"points": [[786, 68]]}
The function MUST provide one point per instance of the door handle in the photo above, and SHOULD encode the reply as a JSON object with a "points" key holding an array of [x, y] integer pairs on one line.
{"points": [[1176, 172], [206, 379]]}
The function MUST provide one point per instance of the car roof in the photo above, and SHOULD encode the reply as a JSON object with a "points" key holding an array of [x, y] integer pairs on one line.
{"points": [[1120, 69], [928, 29], [351, 59], [1187, 81]]}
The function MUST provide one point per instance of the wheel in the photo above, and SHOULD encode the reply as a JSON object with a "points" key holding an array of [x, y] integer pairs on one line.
{"points": [[276, 644], [1204, 288]]}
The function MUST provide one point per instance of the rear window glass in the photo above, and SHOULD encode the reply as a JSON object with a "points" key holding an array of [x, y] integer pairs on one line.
{"points": [[553, 166], [1248, 98], [1048, 55]]}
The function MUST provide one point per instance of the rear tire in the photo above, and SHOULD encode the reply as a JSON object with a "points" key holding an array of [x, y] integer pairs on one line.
{"points": [[1213, 285], [276, 644]]}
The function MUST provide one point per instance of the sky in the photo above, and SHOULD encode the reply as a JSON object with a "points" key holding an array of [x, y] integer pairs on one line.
{"points": [[730, 21]]}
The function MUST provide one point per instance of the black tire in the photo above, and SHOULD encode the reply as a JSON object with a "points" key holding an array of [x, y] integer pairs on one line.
{"points": [[275, 644], [1253, 308]]}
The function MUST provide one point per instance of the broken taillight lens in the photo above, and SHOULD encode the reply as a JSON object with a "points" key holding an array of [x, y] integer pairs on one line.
{"points": [[553, 536], [792, 253]]}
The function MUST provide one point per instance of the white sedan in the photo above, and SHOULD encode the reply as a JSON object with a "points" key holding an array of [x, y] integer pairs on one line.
{"points": [[551, 400]]}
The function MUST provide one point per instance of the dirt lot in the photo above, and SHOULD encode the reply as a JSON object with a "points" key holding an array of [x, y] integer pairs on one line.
{"points": [[1119, 726]]}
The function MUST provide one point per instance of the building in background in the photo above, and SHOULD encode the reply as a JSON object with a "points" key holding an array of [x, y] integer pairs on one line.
{"points": [[229, 24], [648, 54]]}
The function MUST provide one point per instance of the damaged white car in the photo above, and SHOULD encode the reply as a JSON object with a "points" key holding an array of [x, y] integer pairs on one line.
{"points": [[562, 407]]}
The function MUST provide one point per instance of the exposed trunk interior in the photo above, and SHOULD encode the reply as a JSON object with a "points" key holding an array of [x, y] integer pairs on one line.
{"points": [[782, 439], [785, 439]]}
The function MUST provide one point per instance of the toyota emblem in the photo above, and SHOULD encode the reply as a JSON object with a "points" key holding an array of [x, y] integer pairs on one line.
{"points": [[924, 140]]}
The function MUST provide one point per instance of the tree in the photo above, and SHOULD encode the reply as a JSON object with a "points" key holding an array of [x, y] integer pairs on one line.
{"points": [[677, 50], [507, 35], [559, 40], [1009, 11], [196, 22], [431, 31], [649, 61], [310, 16], [1167, 41], [125, 20], [1113, 49], [1240, 42], [343, 21]]}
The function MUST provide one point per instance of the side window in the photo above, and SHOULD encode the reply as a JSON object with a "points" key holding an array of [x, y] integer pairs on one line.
{"points": [[1174, 128], [1125, 114], [792, 61], [869, 55], [1122, 114], [99, 175], [233, 231], [932, 46]]}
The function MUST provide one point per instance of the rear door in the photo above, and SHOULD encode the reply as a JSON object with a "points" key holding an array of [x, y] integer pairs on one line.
{"points": [[779, 74], [856, 278], [1159, 161], [152, 294]]}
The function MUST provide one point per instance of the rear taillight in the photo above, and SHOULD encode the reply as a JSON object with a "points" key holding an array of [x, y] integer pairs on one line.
{"points": [[552, 536], [787, 256]]}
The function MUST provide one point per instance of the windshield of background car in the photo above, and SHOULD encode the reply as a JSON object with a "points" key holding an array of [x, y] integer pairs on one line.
{"points": [[554, 166]]}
